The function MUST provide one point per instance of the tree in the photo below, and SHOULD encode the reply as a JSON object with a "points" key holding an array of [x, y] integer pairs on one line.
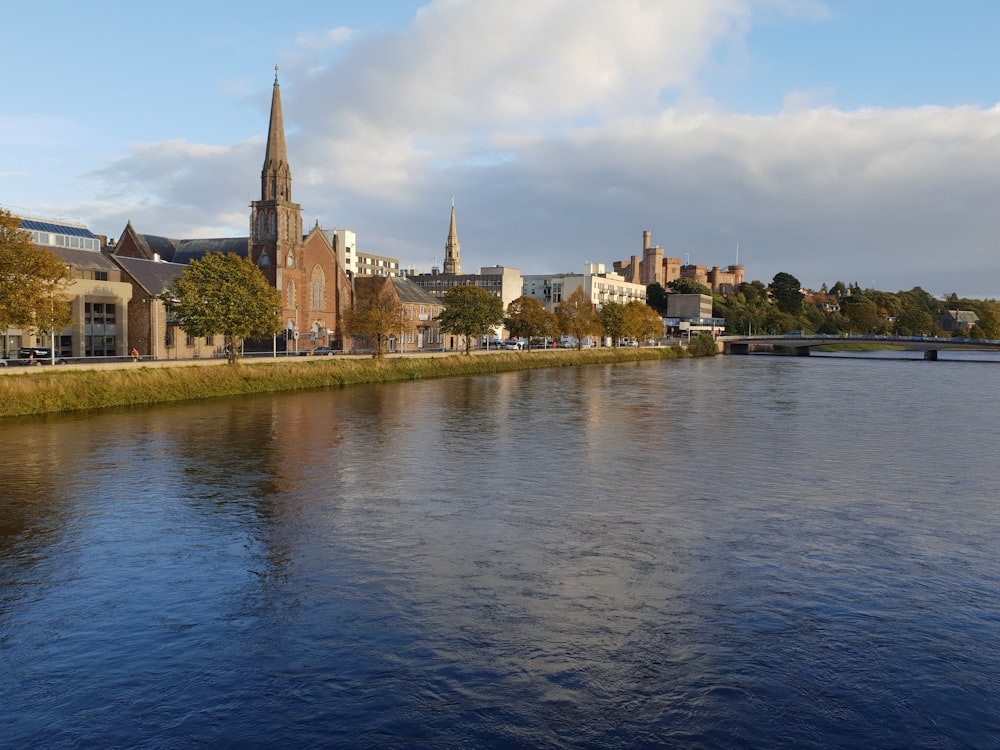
{"points": [[33, 282], [612, 317], [656, 297], [224, 294], [787, 293], [641, 322], [577, 318], [527, 317], [685, 285], [703, 345], [863, 314], [470, 311], [746, 309], [377, 314]]}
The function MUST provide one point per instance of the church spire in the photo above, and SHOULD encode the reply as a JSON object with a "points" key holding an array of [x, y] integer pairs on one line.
{"points": [[276, 177], [275, 222], [452, 258]]}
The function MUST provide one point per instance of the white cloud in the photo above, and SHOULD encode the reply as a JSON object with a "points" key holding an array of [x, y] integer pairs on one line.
{"points": [[545, 120]]}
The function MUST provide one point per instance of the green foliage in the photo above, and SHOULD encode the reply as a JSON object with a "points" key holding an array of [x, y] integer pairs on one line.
{"points": [[656, 297], [703, 345], [377, 314], [576, 317], [527, 318], [33, 281], [224, 294], [470, 311], [684, 285], [862, 314], [745, 310], [787, 293]]}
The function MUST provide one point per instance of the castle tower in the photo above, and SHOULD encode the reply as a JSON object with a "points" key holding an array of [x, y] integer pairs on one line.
{"points": [[275, 222], [452, 258]]}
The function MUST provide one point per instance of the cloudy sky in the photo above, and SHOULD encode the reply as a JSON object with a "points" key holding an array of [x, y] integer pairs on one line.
{"points": [[853, 140]]}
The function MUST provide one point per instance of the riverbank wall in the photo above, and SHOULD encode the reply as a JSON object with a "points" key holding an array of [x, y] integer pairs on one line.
{"points": [[45, 389]]}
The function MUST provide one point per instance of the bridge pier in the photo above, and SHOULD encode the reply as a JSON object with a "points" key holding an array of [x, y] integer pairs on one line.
{"points": [[931, 355]]}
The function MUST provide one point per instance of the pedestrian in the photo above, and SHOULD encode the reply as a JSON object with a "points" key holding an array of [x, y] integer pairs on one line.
{"points": [[135, 354]]}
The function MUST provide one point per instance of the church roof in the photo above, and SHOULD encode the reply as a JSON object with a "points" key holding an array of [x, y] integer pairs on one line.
{"points": [[188, 250], [153, 276]]}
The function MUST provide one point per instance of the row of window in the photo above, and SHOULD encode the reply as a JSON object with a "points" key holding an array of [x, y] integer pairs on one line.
{"points": [[50, 239]]}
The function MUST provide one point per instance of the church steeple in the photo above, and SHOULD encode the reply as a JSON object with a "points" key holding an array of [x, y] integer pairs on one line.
{"points": [[276, 177], [452, 257], [275, 222]]}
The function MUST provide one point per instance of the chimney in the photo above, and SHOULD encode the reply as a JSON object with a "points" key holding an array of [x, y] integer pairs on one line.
{"points": [[645, 239]]}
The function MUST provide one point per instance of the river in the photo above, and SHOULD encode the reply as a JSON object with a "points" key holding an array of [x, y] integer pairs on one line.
{"points": [[735, 552]]}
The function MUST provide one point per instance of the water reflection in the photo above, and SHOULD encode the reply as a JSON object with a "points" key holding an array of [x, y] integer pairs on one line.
{"points": [[713, 553]]}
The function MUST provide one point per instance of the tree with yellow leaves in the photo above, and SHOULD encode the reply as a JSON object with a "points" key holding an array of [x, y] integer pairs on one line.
{"points": [[33, 282]]}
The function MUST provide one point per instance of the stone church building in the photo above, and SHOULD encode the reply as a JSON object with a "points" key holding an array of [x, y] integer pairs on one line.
{"points": [[315, 289]]}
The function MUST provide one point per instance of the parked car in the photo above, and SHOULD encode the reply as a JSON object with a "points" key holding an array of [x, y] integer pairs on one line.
{"points": [[324, 351], [36, 353], [3, 362]]}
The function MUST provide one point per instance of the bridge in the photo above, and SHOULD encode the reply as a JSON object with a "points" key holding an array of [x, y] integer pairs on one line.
{"points": [[800, 345]]}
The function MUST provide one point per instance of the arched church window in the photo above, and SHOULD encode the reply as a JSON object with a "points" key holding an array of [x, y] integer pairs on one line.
{"points": [[317, 288], [290, 295], [290, 260]]}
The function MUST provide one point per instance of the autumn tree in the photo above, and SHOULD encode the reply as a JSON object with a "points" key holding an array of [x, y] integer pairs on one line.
{"points": [[527, 317], [612, 317], [224, 294], [576, 317], [470, 311], [641, 322], [377, 313], [33, 282]]}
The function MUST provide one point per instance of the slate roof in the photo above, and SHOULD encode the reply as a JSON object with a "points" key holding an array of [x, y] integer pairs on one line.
{"points": [[188, 250], [184, 251], [77, 258], [410, 293], [155, 277]]}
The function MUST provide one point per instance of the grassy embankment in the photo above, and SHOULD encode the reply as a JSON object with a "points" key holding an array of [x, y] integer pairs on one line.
{"points": [[46, 390]]}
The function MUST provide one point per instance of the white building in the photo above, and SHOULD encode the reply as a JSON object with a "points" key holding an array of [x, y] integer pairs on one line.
{"points": [[599, 284], [345, 243]]}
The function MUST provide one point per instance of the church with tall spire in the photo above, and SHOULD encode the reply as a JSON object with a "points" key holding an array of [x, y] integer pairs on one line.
{"points": [[315, 288], [275, 221]]}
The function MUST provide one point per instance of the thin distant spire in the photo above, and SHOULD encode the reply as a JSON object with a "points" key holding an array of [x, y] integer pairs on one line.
{"points": [[452, 250]]}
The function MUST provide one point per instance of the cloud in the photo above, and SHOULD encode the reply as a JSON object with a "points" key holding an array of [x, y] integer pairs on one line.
{"points": [[548, 125]]}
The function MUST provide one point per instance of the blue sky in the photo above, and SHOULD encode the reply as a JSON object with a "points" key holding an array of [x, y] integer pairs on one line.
{"points": [[840, 140]]}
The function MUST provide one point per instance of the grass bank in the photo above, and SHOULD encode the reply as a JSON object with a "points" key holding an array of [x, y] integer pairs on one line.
{"points": [[72, 388]]}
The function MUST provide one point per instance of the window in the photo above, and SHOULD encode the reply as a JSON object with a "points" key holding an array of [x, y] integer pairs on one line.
{"points": [[100, 275], [317, 288]]}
